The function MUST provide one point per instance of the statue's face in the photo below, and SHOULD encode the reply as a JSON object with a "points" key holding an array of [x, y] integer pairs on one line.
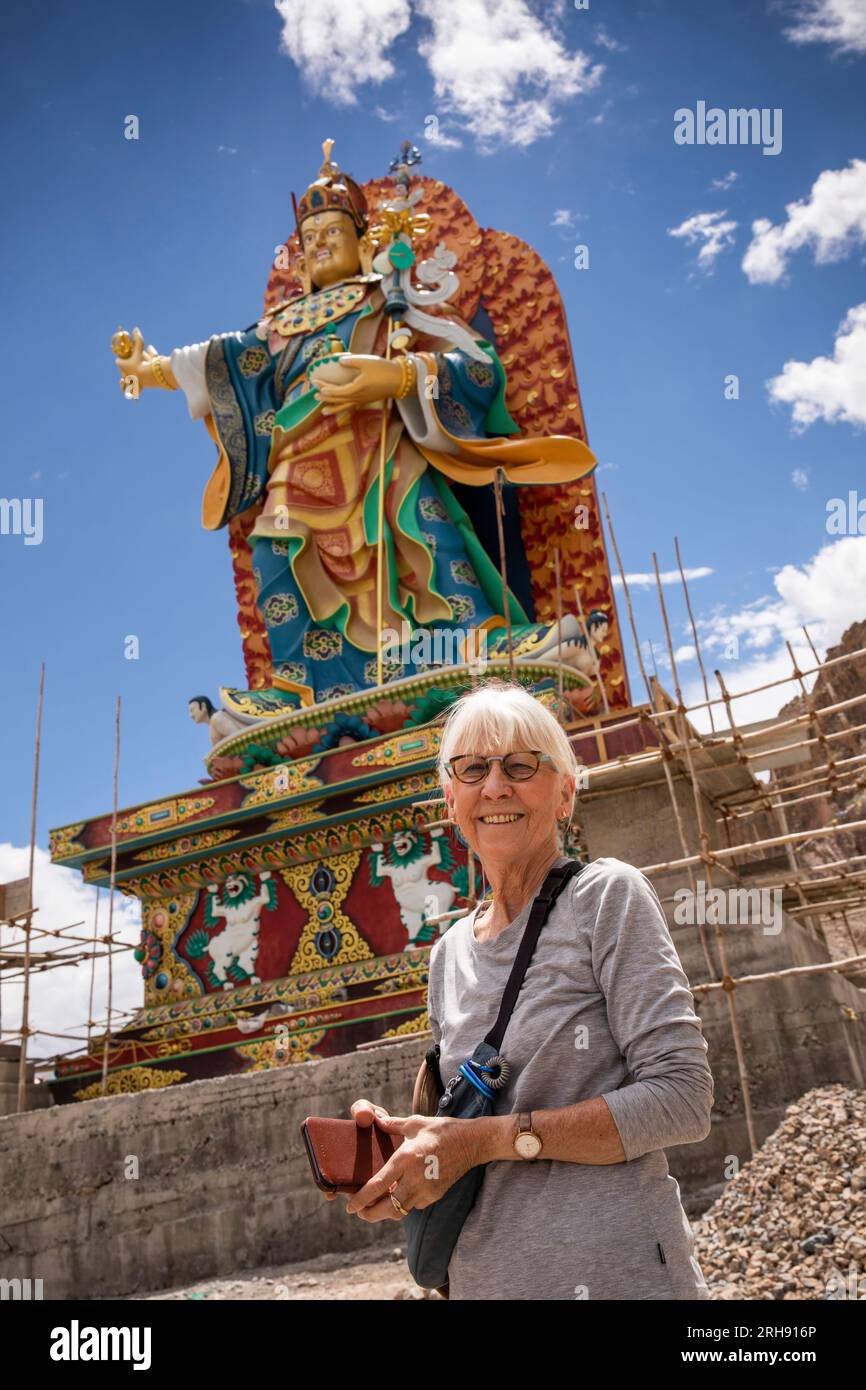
{"points": [[197, 712], [330, 248]]}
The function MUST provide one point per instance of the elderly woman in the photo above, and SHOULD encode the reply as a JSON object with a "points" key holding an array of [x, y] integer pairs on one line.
{"points": [[608, 1059]]}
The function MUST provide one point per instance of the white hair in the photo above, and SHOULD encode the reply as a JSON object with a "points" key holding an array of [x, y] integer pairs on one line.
{"points": [[502, 715]]}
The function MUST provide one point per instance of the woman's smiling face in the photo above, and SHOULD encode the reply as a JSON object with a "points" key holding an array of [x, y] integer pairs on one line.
{"points": [[514, 820]]}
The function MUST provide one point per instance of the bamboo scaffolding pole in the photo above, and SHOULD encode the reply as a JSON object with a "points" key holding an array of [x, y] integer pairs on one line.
{"points": [[93, 968], [25, 1003], [844, 916], [795, 836], [694, 632], [113, 880], [787, 787], [559, 666], [720, 739], [798, 800], [506, 606], [830, 689], [784, 680], [38, 932], [784, 885], [729, 984], [380, 538], [708, 862], [627, 598], [831, 905]]}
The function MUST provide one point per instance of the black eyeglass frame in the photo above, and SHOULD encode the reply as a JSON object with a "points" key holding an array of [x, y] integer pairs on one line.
{"points": [[497, 757]]}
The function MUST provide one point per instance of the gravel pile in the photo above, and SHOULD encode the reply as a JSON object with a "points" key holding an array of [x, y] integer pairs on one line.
{"points": [[792, 1223]]}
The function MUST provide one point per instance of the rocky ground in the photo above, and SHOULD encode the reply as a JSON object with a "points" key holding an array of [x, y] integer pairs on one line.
{"points": [[790, 1225], [361, 1275]]}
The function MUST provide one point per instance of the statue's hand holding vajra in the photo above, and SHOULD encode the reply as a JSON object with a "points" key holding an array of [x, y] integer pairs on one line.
{"points": [[142, 364], [374, 379]]}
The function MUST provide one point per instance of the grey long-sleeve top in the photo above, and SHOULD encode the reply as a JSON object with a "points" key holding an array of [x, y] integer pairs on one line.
{"points": [[605, 1010]]}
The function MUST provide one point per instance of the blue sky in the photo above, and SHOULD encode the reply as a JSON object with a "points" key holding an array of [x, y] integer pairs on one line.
{"points": [[565, 135]]}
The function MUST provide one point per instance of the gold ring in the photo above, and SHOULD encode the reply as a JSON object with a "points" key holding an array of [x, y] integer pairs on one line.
{"points": [[395, 1201]]}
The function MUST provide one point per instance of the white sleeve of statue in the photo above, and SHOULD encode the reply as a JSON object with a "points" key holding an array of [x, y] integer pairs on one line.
{"points": [[187, 363], [419, 417]]}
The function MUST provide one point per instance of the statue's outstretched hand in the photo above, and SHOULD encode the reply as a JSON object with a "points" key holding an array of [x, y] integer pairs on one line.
{"points": [[139, 364], [374, 379]]}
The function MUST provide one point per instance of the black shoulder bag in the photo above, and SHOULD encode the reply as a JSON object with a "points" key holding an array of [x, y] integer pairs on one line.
{"points": [[432, 1231]]}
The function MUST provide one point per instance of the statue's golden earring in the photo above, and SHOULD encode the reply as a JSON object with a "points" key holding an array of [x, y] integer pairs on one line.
{"points": [[303, 273], [366, 251]]}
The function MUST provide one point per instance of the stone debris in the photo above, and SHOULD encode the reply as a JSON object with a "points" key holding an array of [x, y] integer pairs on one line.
{"points": [[792, 1223]]}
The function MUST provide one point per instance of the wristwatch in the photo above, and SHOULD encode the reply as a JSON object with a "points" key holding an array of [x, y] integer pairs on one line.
{"points": [[527, 1143]]}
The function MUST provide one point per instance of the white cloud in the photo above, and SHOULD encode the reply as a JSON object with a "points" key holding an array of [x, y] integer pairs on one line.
{"points": [[726, 182], [800, 479], [832, 220], [337, 47], [606, 40], [828, 388], [384, 115], [709, 231], [568, 218], [500, 69], [226, 149], [826, 594], [841, 23], [444, 140], [59, 998], [645, 580]]}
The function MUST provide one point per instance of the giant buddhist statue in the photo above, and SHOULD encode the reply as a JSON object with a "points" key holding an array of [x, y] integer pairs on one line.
{"points": [[344, 416]]}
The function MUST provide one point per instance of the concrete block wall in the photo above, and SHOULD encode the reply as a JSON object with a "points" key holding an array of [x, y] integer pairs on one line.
{"points": [[133, 1193]]}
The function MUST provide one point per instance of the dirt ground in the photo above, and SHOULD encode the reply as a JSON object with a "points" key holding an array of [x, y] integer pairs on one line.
{"points": [[361, 1275]]}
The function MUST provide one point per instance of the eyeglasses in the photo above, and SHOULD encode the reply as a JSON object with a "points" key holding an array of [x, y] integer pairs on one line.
{"points": [[518, 767]]}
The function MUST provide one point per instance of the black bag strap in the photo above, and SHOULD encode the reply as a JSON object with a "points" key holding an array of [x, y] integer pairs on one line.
{"points": [[541, 909]]}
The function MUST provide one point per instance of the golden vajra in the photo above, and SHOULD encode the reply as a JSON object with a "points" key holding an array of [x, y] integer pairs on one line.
{"points": [[122, 344]]}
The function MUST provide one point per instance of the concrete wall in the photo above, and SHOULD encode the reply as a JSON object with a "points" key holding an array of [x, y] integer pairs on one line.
{"points": [[36, 1095], [223, 1179]]}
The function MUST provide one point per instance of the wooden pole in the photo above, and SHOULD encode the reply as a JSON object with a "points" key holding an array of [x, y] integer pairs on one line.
{"points": [[707, 860], [112, 880], [93, 967], [556, 565], [25, 1003], [694, 632], [506, 607], [380, 539], [627, 600]]}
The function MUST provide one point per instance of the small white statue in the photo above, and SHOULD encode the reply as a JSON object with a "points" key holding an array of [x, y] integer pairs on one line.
{"points": [[219, 721]]}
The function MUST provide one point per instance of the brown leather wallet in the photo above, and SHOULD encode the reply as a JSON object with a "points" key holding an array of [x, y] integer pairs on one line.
{"points": [[344, 1155]]}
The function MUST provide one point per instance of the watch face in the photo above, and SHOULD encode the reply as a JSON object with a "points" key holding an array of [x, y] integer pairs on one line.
{"points": [[527, 1145]]}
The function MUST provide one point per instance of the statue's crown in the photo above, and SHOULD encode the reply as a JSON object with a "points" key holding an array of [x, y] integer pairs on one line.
{"points": [[332, 191]]}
